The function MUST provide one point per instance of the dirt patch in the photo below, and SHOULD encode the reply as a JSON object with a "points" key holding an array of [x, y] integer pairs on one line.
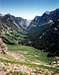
{"points": [[16, 56]]}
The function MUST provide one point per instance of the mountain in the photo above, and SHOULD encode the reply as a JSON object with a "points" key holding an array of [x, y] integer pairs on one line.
{"points": [[12, 28], [17, 21], [40, 23], [47, 17], [43, 32], [22, 22]]}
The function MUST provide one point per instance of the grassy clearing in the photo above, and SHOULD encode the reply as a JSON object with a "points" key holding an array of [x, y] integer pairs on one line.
{"points": [[30, 53]]}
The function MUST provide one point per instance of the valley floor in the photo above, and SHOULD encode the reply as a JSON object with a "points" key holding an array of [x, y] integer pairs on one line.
{"points": [[25, 60]]}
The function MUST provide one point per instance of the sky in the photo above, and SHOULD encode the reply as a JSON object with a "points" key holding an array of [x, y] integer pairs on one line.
{"points": [[27, 9]]}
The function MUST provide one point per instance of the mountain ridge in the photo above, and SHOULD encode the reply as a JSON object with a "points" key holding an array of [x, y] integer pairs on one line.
{"points": [[14, 27], [45, 18]]}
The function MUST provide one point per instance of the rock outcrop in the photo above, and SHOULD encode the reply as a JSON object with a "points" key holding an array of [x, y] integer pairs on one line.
{"points": [[3, 47]]}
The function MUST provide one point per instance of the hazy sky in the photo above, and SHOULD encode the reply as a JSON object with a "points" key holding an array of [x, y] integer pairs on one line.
{"points": [[27, 8]]}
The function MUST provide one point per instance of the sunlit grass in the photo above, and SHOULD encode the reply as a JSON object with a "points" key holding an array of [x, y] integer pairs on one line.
{"points": [[29, 52], [31, 55]]}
